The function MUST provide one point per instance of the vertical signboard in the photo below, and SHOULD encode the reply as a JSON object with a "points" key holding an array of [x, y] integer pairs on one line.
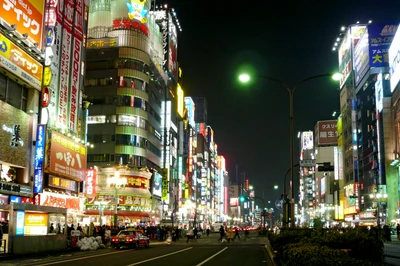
{"points": [[180, 99], [361, 59], [172, 48], [394, 62], [379, 93], [75, 67], [91, 182], [39, 158], [19, 230], [307, 142]]}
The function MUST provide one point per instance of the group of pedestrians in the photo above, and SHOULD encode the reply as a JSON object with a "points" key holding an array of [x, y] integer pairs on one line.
{"points": [[231, 233]]}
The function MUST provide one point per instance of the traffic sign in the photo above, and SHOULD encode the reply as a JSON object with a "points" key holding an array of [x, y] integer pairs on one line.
{"points": [[279, 203]]}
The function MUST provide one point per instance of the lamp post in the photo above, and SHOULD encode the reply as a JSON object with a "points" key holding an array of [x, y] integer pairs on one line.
{"points": [[378, 197], [291, 89], [117, 183]]}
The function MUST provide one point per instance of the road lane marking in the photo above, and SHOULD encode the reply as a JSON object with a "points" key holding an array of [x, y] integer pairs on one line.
{"points": [[166, 255], [216, 254], [87, 257]]}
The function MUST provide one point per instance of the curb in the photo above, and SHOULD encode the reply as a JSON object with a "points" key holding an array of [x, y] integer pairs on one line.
{"points": [[271, 255]]}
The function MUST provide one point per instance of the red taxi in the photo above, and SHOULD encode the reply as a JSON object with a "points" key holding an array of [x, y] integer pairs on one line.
{"points": [[130, 239]]}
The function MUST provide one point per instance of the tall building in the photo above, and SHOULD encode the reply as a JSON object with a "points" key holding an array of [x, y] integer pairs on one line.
{"points": [[364, 132], [126, 86]]}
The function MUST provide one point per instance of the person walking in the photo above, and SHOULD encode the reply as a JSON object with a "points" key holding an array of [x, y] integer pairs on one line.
{"points": [[246, 234], [398, 231], [221, 233], [208, 232], [236, 233], [195, 233]]}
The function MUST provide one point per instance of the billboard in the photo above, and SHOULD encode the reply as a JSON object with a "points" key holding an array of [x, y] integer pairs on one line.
{"points": [[379, 92], [91, 178], [157, 185], [35, 223], [67, 157], [394, 59], [350, 40], [326, 132], [26, 17], [234, 202], [15, 60], [189, 105], [307, 140], [372, 49]]}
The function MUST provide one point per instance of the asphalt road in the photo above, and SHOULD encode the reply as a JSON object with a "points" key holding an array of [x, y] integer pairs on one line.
{"points": [[204, 251]]}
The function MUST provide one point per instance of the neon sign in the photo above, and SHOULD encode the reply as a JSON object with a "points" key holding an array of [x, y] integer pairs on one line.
{"points": [[137, 11]]}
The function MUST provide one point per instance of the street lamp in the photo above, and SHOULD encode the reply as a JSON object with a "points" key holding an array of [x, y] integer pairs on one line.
{"points": [[246, 78], [378, 197], [117, 183]]}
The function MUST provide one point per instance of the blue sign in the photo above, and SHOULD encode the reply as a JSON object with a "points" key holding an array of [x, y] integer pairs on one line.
{"points": [[39, 159], [279, 204], [380, 39], [19, 231], [15, 199]]}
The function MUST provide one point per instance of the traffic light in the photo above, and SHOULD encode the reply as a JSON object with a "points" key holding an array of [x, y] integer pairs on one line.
{"points": [[242, 198]]}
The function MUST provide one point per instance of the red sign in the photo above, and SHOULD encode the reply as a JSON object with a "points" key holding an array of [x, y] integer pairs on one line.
{"points": [[130, 24], [326, 132], [45, 97], [91, 182], [61, 201], [67, 157]]}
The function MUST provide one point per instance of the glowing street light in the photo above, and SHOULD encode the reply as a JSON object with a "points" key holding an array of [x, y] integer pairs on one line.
{"points": [[245, 78]]}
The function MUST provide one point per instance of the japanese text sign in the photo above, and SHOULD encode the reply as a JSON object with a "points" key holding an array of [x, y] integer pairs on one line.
{"points": [[326, 132], [20, 63], [26, 15], [67, 157]]}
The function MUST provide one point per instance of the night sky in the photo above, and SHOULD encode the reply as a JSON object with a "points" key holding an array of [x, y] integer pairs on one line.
{"points": [[288, 40]]}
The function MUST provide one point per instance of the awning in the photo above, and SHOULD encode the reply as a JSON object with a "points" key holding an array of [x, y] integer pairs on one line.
{"points": [[120, 213]]}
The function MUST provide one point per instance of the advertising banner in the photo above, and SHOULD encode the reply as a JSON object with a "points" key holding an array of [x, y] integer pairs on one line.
{"points": [[307, 142], [157, 187], [172, 48], [67, 157], [35, 224], [27, 16], [61, 201], [63, 97], [20, 63], [380, 39], [361, 59], [14, 132], [234, 202], [326, 132], [75, 62]]}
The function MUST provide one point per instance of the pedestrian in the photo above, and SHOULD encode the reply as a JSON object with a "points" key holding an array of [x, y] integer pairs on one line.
{"points": [[221, 233], [236, 233], [189, 235], [398, 231], [195, 233], [51, 228], [231, 234], [246, 233], [208, 232]]}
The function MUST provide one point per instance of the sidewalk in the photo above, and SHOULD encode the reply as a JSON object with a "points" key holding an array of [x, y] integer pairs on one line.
{"points": [[392, 251]]}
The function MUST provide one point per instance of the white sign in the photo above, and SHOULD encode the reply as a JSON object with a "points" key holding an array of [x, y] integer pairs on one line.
{"points": [[379, 93], [394, 62]]}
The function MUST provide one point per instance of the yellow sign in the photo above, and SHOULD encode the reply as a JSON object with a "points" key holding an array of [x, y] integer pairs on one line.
{"points": [[36, 219], [180, 100], [46, 76]]}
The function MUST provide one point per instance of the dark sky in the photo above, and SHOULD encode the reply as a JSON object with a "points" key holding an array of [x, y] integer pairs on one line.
{"points": [[288, 40]]}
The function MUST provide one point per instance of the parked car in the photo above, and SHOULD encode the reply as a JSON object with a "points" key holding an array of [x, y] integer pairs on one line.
{"points": [[130, 239]]}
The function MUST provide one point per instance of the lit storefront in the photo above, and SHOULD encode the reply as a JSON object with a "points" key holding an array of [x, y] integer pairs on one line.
{"points": [[134, 201]]}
